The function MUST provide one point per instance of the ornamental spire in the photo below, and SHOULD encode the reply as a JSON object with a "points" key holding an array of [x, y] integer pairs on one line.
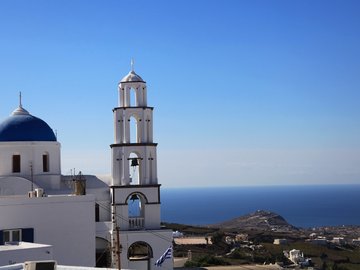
{"points": [[20, 109]]}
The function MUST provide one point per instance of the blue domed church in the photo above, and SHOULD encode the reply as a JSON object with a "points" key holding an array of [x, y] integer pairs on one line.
{"points": [[29, 154]]}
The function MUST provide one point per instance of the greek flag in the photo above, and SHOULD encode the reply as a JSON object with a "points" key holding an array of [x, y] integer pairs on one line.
{"points": [[167, 255]]}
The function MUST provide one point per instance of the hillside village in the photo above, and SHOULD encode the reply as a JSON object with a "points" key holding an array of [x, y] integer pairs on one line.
{"points": [[266, 238]]}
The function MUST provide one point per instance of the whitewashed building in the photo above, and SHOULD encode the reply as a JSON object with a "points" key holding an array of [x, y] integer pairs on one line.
{"points": [[278, 241], [296, 256], [88, 221]]}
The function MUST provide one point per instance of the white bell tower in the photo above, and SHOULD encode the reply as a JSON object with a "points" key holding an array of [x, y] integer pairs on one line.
{"points": [[135, 190], [133, 135]]}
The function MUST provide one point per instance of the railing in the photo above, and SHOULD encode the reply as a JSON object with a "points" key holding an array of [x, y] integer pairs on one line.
{"points": [[136, 223]]}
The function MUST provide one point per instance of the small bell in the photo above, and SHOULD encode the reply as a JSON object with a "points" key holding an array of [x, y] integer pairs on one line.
{"points": [[134, 162], [134, 197]]}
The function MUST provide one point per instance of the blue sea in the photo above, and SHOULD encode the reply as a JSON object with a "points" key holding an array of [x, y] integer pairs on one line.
{"points": [[301, 206]]}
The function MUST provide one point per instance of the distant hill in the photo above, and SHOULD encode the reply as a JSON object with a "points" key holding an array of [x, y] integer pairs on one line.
{"points": [[259, 220]]}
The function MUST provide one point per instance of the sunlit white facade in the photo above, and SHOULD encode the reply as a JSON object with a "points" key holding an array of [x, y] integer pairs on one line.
{"points": [[83, 218]]}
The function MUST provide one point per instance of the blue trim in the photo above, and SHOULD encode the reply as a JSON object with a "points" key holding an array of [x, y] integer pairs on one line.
{"points": [[27, 235]]}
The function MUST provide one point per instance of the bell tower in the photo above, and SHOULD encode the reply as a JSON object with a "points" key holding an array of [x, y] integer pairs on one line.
{"points": [[135, 190], [134, 144]]}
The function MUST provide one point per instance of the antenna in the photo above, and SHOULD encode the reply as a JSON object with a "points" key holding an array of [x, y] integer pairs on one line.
{"points": [[31, 174]]}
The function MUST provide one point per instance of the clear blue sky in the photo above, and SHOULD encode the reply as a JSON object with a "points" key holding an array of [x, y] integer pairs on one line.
{"points": [[245, 92]]}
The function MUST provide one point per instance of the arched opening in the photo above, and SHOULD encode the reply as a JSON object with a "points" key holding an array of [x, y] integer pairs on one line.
{"points": [[136, 210], [133, 97], [140, 251], [103, 254], [133, 130], [134, 168], [45, 160]]}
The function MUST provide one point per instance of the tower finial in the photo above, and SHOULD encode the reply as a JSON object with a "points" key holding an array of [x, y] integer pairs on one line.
{"points": [[20, 103], [132, 64]]}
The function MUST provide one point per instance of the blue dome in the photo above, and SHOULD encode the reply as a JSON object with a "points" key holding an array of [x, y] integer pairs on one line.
{"points": [[22, 126]]}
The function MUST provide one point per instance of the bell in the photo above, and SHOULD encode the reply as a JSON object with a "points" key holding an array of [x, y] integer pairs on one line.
{"points": [[134, 162], [134, 197]]}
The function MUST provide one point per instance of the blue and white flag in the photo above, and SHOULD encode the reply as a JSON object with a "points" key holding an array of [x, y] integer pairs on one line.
{"points": [[167, 255]]}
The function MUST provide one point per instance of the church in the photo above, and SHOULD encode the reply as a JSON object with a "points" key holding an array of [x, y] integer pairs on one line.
{"points": [[82, 219]]}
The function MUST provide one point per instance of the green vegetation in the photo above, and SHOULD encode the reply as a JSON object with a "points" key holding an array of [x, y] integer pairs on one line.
{"points": [[188, 229], [206, 260], [260, 249], [324, 257]]}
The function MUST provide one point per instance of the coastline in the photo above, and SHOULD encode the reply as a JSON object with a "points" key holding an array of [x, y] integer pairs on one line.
{"points": [[303, 206]]}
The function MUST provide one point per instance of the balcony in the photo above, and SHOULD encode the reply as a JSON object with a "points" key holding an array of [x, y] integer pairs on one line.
{"points": [[136, 223]]}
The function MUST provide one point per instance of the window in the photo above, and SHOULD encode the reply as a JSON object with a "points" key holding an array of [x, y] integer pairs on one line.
{"points": [[17, 235], [12, 235], [97, 212], [16, 163], [45, 162]]}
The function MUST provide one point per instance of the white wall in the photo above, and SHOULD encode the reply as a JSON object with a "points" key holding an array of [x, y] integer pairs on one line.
{"points": [[15, 186], [159, 240], [151, 208], [144, 124], [124, 94], [32, 152], [25, 252], [147, 167], [66, 222]]}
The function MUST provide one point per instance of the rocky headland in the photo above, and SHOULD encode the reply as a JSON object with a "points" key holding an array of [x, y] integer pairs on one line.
{"points": [[259, 220]]}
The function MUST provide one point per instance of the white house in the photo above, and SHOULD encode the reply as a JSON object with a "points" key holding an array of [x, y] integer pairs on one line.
{"points": [[322, 241], [278, 241], [356, 242], [339, 240], [296, 256], [88, 221]]}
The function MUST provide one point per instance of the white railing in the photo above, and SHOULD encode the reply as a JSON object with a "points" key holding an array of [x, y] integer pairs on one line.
{"points": [[136, 223]]}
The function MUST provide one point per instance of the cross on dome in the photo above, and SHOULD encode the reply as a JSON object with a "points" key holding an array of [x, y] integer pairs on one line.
{"points": [[20, 109], [132, 76], [20, 105], [132, 64]]}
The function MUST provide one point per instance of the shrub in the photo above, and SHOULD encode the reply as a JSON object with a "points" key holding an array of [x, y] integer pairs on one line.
{"points": [[206, 260]]}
